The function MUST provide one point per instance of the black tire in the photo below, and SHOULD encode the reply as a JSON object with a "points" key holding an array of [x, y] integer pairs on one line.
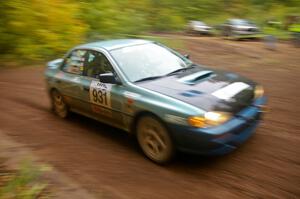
{"points": [[59, 106], [154, 140]]}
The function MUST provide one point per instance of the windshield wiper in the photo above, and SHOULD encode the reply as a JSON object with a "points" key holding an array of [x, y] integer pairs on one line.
{"points": [[171, 73], [148, 78], [180, 69]]}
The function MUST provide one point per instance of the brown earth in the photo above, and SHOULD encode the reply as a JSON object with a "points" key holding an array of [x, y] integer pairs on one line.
{"points": [[107, 162]]}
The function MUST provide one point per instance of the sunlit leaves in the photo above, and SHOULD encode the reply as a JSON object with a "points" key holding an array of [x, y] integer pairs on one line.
{"points": [[41, 28]]}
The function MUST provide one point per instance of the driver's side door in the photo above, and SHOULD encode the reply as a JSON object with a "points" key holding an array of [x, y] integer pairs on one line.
{"points": [[103, 100]]}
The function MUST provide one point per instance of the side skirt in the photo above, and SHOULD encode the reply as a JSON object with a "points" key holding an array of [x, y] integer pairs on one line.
{"points": [[100, 120]]}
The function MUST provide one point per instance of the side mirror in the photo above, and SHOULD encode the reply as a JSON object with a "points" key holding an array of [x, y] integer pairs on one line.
{"points": [[187, 56], [109, 78]]}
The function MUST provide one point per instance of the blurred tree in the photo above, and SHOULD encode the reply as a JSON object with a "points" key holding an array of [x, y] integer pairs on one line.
{"points": [[34, 29]]}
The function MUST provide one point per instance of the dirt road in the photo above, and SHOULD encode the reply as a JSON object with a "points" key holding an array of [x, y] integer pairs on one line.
{"points": [[108, 164]]}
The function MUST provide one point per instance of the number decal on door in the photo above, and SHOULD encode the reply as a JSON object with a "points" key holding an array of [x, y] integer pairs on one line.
{"points": [[100, 94]]}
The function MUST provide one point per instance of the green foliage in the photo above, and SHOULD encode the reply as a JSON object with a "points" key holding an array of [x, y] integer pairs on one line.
{"points": [[170, 42], [25, 184], [113, 17], [35, 30]]}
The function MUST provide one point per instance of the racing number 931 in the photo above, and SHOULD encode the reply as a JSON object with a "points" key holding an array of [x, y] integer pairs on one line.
{"points": [[100, 94]]}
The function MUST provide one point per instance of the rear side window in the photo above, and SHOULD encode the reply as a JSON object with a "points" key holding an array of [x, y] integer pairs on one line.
{"points": [[74, 63]]}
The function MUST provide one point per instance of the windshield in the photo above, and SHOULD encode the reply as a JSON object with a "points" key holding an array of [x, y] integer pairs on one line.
{"points": [[148, 60]]}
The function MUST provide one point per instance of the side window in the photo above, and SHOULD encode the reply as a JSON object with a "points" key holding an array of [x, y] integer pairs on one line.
{"points": [[96, 64], [74, 63]]}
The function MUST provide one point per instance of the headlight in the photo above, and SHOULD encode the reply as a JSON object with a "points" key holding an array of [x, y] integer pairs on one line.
{"points": [[258, 92], [209, 119]]}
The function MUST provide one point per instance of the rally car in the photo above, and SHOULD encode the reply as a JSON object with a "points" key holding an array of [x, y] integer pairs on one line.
{"points": [[153, 92]]}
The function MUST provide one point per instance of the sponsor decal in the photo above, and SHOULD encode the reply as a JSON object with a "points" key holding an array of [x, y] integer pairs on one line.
{"points": [[59, 75], [101, 110], [130, 99], [128, 109], [131, 95], [227, 92]]}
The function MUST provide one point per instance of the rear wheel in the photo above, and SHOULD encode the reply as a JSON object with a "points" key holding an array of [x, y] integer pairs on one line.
{"points": [[59, 107], [154, 140]]}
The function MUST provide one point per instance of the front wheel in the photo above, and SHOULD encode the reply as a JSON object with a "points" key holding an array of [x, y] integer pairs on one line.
{"points": [[58, 105], [154, 140]]}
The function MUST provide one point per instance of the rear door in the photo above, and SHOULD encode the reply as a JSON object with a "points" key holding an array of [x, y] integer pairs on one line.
{"points": [[69, 83]]}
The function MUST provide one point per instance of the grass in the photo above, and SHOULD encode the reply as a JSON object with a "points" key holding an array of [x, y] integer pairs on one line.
{"points": [[281, 34], [24, 183]]}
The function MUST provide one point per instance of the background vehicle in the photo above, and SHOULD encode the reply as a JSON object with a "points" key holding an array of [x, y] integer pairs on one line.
{"points": [[199, 27], [239, 28]]}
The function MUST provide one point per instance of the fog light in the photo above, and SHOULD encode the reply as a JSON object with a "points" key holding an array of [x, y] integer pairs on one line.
{"points": [[258, 92]]}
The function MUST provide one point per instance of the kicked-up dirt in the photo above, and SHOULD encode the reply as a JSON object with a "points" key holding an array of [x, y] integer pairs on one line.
{"points": [[107, 162]]}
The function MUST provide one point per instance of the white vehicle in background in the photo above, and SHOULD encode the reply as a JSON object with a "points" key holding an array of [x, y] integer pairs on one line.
{"points": [[199, 27]]}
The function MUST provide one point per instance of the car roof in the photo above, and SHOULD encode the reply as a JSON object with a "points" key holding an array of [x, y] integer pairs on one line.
{"points": [[194, 21], [114, 44]]}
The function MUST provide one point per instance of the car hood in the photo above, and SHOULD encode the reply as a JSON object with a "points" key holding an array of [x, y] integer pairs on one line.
{"points": [[207, 89]]}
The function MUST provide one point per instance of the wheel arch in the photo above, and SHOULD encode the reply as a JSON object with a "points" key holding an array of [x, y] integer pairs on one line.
{"points": [[52, 89], [141, 114]]}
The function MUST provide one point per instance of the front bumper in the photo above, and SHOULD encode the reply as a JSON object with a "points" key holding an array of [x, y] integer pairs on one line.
{"points": [[203, 31], [221, 139], [246, 34]]}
